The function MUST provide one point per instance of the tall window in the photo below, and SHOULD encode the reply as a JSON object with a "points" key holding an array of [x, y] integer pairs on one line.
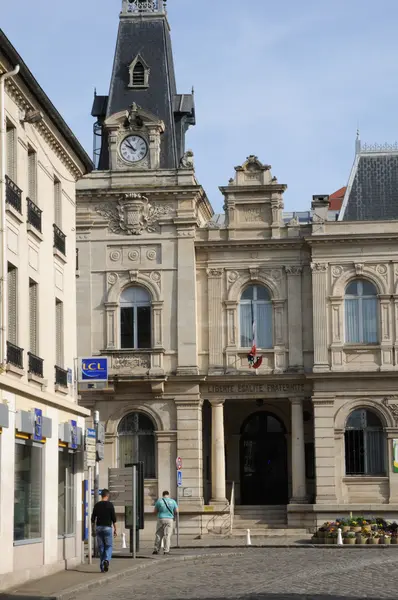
{"points": [[12, 335], [33, 329], [59, 333], [256, 315], [66, 492], [57, 203], [137, 442], [32, 175], [28, 492], [135, 318], [11, 152], [364, 444], [361, 312]]}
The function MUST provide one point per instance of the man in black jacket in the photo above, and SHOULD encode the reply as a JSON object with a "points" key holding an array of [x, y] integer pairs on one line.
{"points": [[103, 519]]}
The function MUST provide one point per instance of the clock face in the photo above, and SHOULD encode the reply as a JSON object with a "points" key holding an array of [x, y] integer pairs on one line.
{"points": [[133, 148]]}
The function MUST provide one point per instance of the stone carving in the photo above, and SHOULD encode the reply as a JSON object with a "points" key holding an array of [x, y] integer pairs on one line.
{"points": [[115, 255], [132, 214], [156, 277], [185, 233], [254, 215], [382, 269], [134, 255], [319, 267], [131, 362], [337, 271], [151, 255], [254, 273], [393, 408], [293, 270], [212, 225], [187, 160], [215, 272], [276, 274], [133, 276], [112, 278], [359, 268], [294, 222], [233, 276]]}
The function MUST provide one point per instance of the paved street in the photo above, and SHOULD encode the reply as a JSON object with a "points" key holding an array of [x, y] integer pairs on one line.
{"points": [[264, 574]]}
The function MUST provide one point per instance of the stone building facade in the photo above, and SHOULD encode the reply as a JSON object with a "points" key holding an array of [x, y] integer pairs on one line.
{"points": [[41, 423], [174, 294]]}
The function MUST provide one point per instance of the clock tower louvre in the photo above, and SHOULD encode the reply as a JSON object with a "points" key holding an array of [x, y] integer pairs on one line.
{"points": [[143, 78]]}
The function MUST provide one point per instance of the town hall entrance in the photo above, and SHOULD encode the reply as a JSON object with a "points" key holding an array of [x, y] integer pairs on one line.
{"points": [[263, 460]]}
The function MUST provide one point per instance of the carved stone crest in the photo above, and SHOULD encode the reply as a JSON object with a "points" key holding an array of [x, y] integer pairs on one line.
{"points": [[133, 214], [359, 268]]}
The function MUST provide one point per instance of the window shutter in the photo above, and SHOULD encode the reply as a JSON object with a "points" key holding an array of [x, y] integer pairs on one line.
{"points": [[32, 175], [33, 317], [57, 203], [139, 75], [12, 304], [59, 333], [11, 147]]}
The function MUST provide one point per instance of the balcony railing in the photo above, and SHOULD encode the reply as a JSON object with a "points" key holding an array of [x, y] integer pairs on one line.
{"points": [[35, 365], [13, 195], [34, 214], [61, 377], [14, 355], [59, 240]]}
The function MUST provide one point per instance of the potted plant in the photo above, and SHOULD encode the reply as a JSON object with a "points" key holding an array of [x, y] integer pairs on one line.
{"points": [[374, 537], [394, 537], [349, 537], [343, 524], [321, 533], [361, 536], [386, 537], [354, 525], [364, 523], [332, 536]]}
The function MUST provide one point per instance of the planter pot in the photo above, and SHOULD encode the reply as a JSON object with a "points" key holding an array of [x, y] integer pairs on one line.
{"points": [[321, 535], [394, 540], [330, 540], [350, 541], [315, 540], [385, 540], [356, 529], [367, 528], [345, 528], [360, 539], [373, 540]]}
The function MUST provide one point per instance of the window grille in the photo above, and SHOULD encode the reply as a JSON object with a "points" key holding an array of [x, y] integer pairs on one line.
{"points": [[136, 436], [365, 445]]}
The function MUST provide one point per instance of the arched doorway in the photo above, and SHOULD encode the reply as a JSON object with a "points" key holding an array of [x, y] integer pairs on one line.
{"points": [[263, 460]]}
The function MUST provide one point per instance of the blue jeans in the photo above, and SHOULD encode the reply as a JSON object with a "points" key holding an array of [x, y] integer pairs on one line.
{"points": [[105, 543]]}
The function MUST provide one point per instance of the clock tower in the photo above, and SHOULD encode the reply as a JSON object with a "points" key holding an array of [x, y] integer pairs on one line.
{"points": [[142, 122]]}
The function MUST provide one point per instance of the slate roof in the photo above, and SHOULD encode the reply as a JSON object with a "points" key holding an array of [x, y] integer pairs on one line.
{"points": [[372, 191]]}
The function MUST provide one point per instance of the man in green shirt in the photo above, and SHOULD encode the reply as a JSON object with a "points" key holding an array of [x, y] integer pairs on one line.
{"points": [[166, 509]]}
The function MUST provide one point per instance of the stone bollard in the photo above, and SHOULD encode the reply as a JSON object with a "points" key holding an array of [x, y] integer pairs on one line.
{"points": [[339, 537], [124, 545], [248, 540]]}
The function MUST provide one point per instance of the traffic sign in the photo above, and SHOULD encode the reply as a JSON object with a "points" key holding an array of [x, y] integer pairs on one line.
{"points": [[90, 447], [179, 478], [179, 463]]}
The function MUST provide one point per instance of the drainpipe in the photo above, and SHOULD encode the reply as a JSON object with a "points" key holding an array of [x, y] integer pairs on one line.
{"points": [[3, 244]]}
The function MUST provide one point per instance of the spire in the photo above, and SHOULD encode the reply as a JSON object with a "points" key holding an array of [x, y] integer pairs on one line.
{"points": [[358, 143], [139, 7]]}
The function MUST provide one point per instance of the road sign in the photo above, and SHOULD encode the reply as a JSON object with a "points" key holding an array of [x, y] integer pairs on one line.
{"points": [[93, 369], [90, 447], [179, 463], [179, 478]]}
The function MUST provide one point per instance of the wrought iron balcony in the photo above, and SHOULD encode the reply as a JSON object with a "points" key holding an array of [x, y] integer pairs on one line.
{"points": [[14, 355], [34, 214], [61, 377], [35, 365], [59, 240], [13, 195]]}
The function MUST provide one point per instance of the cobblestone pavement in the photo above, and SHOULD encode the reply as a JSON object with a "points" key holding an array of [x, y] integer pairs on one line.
{"points": [[264, 574]]}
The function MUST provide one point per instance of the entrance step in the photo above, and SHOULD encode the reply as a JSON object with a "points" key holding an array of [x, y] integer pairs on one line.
{"points": [[255, 524], [259, 519], [270, 532]]}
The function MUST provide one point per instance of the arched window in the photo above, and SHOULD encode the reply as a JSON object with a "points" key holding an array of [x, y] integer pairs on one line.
{"points": [[364, 444], [361, 312], [256, 316], [135, 318], [136, 433], [139, 75]]}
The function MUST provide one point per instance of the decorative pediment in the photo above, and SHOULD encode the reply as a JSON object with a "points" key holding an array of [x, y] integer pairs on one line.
{"points": [[134, 118], [254, 172], [253, 165]]}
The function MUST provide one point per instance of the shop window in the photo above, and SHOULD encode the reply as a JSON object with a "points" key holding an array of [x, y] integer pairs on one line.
{"points": [[135, 318], [256, 317], [361, 313], [28, 491], [137, 443], [66, 493], [365, 444]]}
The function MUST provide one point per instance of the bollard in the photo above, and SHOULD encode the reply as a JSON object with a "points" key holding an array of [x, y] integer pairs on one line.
{"points": [[339, 537], [248, 540], [162, 543], [124, 545]]}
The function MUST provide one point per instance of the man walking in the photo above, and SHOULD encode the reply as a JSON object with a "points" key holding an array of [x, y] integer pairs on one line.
{"points": [[103, 519], [166, 509]]}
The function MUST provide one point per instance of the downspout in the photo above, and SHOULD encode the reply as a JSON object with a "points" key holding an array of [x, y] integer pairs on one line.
{"points": [[3, 241]]}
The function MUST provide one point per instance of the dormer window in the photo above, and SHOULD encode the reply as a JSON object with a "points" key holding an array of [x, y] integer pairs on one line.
{"points": [[139, 73]]}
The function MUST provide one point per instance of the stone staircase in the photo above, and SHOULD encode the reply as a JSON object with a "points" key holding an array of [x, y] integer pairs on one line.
{"points": [[263, 521]]}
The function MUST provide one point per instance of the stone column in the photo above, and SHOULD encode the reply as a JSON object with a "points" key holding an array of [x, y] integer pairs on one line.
{"points": [[190, 449], [299, 491], [386, 342], [218, 494], [319, 290], [216, 360], [325, 450], [295, 317]]}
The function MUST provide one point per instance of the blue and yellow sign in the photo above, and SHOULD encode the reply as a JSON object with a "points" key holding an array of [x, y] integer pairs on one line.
{"points": [[38, 425], [73, 426], [94, 369]]}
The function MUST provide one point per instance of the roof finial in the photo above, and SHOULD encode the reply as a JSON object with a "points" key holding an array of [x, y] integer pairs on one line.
{"points": [[193, 91], [358, 143]]}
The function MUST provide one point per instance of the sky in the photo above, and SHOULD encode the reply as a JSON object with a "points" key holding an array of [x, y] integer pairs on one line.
{"points": [[288, 81]]}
